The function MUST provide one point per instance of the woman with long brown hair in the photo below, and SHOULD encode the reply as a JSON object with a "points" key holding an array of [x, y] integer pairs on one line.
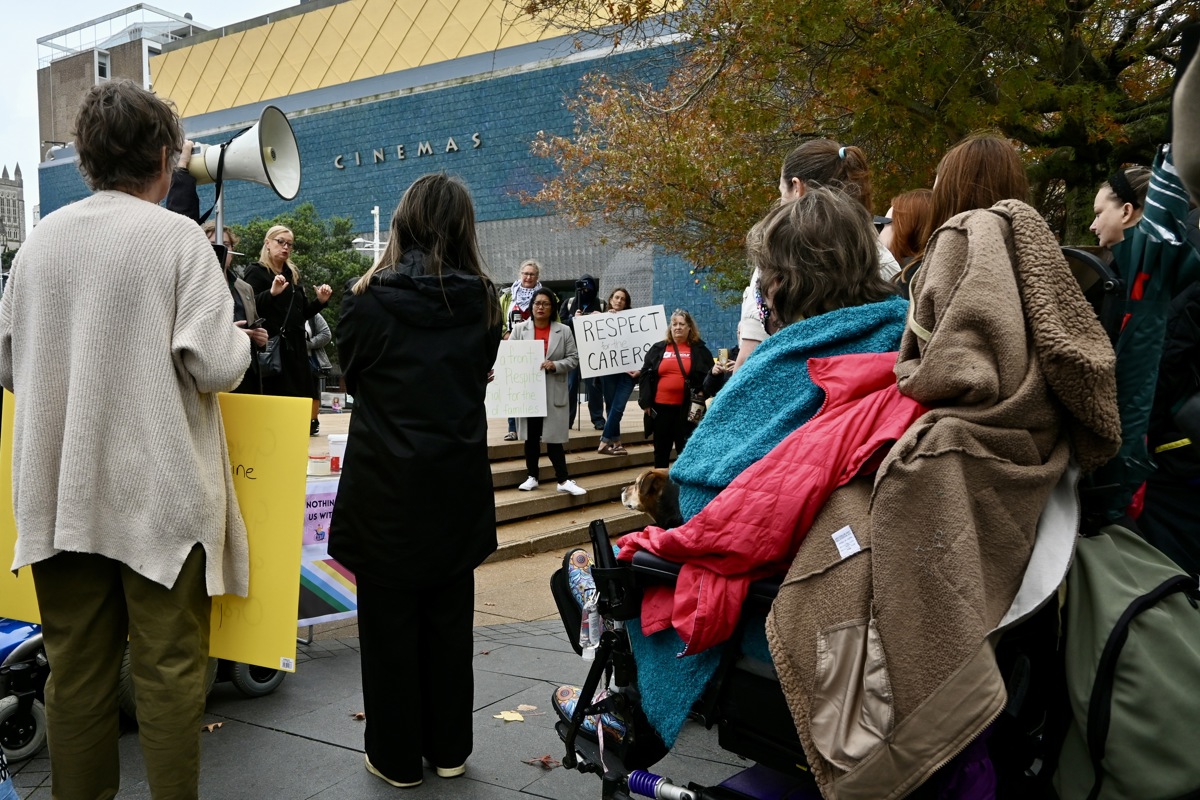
{"points": [[978, 172], [415, 514]]}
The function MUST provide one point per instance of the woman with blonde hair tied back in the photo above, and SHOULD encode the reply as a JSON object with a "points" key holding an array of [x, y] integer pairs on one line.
{"points": [[280, 297]]}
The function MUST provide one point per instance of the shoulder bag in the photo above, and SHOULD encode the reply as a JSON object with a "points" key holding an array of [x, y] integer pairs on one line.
{"points": [[696, 407], [270, 359]]}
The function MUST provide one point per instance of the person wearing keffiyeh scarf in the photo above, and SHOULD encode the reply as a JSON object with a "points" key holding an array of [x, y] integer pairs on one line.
{"points": [[515, 301]]}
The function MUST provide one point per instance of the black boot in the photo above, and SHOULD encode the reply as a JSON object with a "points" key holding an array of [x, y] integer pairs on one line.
{"points": [[314, 428]]}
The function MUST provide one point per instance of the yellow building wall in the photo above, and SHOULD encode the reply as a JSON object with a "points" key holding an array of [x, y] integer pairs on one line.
{"points": [[333, 45]]}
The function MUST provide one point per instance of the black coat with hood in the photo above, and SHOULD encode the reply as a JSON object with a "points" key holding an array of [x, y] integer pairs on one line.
{"points": [[415, 502]]}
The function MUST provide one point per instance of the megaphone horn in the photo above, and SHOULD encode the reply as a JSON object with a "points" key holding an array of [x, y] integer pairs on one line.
{"points": [[266, 154]]}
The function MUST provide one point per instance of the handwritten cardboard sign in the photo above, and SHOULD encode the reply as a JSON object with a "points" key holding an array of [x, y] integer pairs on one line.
{"points": [[519, 388], [268, 454], [612, 343]]}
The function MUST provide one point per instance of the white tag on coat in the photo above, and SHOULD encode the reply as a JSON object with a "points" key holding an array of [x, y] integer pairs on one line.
{"points": [[846, 542]]}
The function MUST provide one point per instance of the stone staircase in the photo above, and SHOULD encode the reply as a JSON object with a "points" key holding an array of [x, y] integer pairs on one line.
{"points": [[546, 519]]}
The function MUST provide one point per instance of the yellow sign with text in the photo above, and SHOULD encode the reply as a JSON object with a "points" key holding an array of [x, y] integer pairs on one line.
{"points": [[268, 453]]}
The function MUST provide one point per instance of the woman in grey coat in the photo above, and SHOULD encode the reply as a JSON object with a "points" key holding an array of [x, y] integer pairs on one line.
{"points": [[561, 357]]}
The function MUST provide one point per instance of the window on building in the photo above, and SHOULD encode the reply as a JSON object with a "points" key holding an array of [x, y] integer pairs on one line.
{"points": [[102, 66]]}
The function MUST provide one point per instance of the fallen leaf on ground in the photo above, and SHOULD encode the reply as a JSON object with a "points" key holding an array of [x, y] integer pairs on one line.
{"points": [[485, 652], [545, 762], [212, 726], [509, 716], [358, 714], [489, 604], [526, 707]]}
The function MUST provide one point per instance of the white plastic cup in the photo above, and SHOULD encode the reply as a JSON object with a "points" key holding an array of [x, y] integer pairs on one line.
{"points": [[337, 451]]}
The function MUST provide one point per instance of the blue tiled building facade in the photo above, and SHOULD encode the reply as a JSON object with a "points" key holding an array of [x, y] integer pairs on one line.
{"points": [[362, 145]]}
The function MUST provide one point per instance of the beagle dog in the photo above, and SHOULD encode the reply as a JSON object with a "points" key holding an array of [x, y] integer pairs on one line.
{"points": [[654, 493]]}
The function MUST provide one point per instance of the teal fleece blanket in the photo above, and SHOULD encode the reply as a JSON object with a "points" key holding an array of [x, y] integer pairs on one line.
{"points": [[770, 396]]}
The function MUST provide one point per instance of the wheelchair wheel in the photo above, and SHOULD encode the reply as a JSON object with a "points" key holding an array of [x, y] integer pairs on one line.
{"points": [[21, 734], [254, 681]]}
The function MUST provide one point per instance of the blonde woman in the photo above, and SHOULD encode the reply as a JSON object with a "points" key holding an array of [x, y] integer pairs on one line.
{"points": [[280, 297], [675, 368]]}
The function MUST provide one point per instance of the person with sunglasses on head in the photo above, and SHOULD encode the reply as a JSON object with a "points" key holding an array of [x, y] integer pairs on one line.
{"points": [[282, 302]]}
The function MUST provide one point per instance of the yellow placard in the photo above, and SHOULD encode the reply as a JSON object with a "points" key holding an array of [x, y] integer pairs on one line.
{"points": [[17, 599], [268, 453]]}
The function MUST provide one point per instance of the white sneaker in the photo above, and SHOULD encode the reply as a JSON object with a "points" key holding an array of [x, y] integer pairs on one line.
{"points": [[529, 485], [570, 487]]}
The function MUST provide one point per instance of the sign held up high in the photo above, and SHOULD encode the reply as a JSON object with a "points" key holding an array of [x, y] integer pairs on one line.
{"points": [[612, 343]]}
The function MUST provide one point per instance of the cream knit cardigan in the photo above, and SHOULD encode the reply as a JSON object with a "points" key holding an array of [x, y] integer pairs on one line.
{"points": [[116, 333]]}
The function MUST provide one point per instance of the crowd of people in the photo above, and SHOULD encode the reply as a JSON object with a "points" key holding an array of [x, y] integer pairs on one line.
{"points": [[414, 514]]}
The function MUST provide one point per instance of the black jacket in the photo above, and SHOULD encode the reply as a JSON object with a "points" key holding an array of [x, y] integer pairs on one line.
{"points": [[415, 502], [292, 307], [702, 362]]}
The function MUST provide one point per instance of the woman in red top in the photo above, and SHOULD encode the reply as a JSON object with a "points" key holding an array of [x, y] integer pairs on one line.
{"points": [[673, 369]]}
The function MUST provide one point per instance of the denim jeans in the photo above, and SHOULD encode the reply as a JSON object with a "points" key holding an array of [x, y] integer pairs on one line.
{"points": [[617, 389], [7, 792]]}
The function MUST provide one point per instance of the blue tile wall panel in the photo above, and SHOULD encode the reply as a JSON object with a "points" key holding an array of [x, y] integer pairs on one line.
{"points": [[676, 287], [505, 112]]}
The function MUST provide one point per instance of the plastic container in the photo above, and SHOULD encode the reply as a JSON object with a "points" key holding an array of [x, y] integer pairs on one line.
{"points": [[337, 451], [318, 465]]}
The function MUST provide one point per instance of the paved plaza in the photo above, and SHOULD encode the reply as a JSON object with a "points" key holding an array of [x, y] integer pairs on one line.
{"points": [[304, 742]]}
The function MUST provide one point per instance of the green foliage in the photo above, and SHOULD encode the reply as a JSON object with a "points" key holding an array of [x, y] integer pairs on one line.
{"points": [[6, 258], [324, 254], [1081, 86]]}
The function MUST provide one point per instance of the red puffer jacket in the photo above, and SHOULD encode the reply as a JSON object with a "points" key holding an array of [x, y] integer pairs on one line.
{"points": [[753, 528]]}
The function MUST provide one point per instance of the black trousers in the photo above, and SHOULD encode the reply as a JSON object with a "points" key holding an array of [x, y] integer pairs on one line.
{"points": [[417, 679], [671, 427], [533, 450]]}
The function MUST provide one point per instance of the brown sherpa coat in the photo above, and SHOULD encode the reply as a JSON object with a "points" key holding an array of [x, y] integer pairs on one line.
{"points": [[884, 654]]}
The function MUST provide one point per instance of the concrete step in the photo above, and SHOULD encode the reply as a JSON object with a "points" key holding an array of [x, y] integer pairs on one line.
{"points": [[579, 442], [514, 504], [564, 529], [510, 473]]}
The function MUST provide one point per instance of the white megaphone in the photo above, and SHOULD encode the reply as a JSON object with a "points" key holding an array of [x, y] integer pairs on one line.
{"points": [[266, 154]]}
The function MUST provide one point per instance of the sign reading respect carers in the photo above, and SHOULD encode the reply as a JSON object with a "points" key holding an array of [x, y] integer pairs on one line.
{"points": [[518, 388], [613, 343]]}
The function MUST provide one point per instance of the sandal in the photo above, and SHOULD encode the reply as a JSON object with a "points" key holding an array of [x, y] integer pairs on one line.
{"points": [[605, 448], [511, 436], [617, 449]]}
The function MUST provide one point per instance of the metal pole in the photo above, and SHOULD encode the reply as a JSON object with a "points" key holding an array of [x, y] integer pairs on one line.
{"points": [[375, 214]]}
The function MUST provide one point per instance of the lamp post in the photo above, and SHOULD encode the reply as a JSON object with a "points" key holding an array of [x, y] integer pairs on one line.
{"points": [[370, 245], [375, 214]]}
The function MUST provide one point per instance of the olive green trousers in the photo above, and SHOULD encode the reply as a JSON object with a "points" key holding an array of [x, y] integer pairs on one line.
{"points": [[89, 605]]}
